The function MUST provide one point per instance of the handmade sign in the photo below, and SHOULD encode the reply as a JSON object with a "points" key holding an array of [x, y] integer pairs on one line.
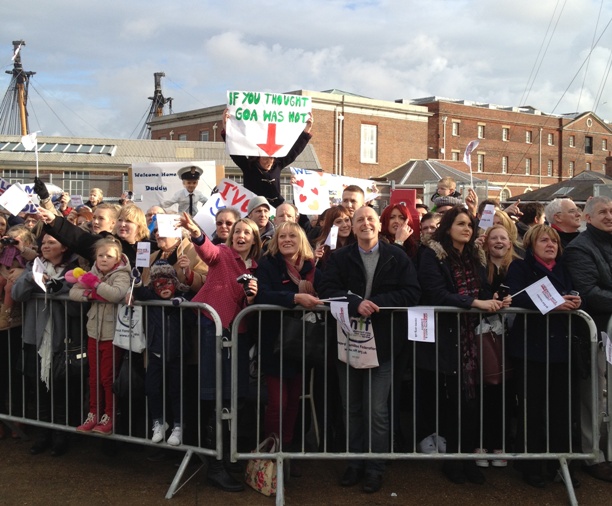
{"points": [[264, 124], [230, 194], [313, 192], [154, 183], [486, 220]]}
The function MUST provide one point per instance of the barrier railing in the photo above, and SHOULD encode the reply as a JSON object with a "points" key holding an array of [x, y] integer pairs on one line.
{"points": [[417, 422], [63, 404], [321, 442]]}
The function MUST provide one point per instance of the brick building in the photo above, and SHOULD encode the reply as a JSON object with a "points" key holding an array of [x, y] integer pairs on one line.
{"points": [[520, 148], [352, 135]]}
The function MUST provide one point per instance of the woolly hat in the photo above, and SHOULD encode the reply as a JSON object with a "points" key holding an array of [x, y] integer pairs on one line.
{"points": [[256, 202], [162, 269], [447, 201]]}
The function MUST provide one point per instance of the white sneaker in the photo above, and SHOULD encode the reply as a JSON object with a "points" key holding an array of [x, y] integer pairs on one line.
{"points": [[481, 462], [499, 462], [159, 431], [175, 437]]}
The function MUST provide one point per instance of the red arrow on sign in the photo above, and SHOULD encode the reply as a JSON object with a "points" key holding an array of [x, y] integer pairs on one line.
{"points": [[270, 147]]}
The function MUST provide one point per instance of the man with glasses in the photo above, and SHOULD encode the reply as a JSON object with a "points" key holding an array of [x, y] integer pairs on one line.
{"points": [[564, 217]]}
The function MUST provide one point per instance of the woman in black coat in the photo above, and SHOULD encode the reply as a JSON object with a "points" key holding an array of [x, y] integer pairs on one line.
{"points": [[287, 277], [537, 352], [452, 273]]}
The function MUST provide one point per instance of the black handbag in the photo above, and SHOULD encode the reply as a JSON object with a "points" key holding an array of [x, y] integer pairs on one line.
{"points": [[302, 338], [72, 362]]}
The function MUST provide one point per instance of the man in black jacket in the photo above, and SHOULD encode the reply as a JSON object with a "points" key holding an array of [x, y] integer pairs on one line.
{"points": [[589, 259], [371, 274]]}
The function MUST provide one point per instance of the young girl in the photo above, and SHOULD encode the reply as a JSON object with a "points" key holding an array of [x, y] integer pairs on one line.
{"points": [[108, 280], [16, 249]]}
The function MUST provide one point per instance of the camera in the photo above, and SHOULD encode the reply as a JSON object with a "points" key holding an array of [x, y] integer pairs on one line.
{"points": [[8, 241], [574, 292], [244, 281]]}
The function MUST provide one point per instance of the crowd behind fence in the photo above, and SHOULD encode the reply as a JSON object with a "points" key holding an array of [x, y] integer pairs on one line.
{"points": [[309, 420]]}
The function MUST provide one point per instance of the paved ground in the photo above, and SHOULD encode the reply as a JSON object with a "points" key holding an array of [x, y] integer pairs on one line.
{"points": [[88, 475]]}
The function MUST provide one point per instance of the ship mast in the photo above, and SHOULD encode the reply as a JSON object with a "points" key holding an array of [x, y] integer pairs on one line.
{"points": [[158, 101], [14, 112]]}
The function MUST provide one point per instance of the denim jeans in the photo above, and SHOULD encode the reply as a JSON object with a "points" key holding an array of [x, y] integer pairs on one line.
{"points": [[367, 402]]}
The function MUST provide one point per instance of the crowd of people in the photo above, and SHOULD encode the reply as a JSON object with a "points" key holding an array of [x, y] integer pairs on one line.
{"points": [[432, 254]]}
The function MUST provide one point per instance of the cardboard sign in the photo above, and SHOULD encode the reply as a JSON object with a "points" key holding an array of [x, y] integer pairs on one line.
{"points": [[154, 183], [230, 194], [264, 124], [313, 192], [32, 200], [14, 199], [421, 324]]}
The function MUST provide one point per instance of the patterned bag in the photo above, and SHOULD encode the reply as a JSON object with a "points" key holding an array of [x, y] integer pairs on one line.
{"points": [[261, 473]]}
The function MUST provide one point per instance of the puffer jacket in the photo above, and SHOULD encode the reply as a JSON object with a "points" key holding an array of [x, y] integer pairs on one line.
{"points": [[113, 287]]}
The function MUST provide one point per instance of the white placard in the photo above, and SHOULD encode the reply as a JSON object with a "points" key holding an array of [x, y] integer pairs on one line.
{"points": [[264, 124], [143, 254], [332, 238], [76, 200], [313, 192], [486, 219], [166, 225], [544, 295], [607, 343], [38, 271], [14, 199], [421, 324]]}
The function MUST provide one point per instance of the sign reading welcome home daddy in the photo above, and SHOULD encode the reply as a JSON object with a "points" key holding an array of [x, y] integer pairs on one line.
{"points": [[264, 124]]}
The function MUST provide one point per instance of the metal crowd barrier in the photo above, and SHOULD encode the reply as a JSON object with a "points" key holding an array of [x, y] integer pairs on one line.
{"points": [[320, 427], [68, 394], [318, 440]]}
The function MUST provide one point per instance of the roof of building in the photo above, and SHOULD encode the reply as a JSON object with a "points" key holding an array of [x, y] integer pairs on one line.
{"points": [[579, 188], [117, 154], [416, 172]]}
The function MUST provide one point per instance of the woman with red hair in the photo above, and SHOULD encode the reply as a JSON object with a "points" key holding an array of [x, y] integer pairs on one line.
{"points": [[396, 227]]}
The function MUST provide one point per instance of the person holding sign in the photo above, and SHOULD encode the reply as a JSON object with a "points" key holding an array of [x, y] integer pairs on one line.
{"points": [[541, 358], [224, 291], [371, 274], [262, 174], [451, 274]]}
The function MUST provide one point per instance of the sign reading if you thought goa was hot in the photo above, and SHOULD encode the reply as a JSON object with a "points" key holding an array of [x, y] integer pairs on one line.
{"points": [[264, 124]]}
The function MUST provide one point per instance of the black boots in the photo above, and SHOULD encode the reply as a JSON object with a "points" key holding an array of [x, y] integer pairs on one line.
{"points": [[219, 477]]}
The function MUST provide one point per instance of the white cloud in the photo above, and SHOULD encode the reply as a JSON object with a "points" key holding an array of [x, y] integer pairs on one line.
{"points": [[95, 62]]}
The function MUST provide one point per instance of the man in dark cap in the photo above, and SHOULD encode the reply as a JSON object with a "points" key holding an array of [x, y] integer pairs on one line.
{"points": [[189, 199]]}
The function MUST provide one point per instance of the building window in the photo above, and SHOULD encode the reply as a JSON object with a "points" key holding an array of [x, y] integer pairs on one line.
{"points": [[528, 136], [588, 166], [77, 183], [163, 138], [14, 176], [588, 145], [455, 155], [604, 144], [369, 143], [204, 136], [504, 194], [551, 139], [571, 169], [481, 131], [480, 163], [504, 164], [550, 168], [505, 134], [182, 137], [572, 141], [528, 166], [455, 128]]}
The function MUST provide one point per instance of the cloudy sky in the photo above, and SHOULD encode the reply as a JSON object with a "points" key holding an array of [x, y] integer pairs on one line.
{"points": [[94, 61]]}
